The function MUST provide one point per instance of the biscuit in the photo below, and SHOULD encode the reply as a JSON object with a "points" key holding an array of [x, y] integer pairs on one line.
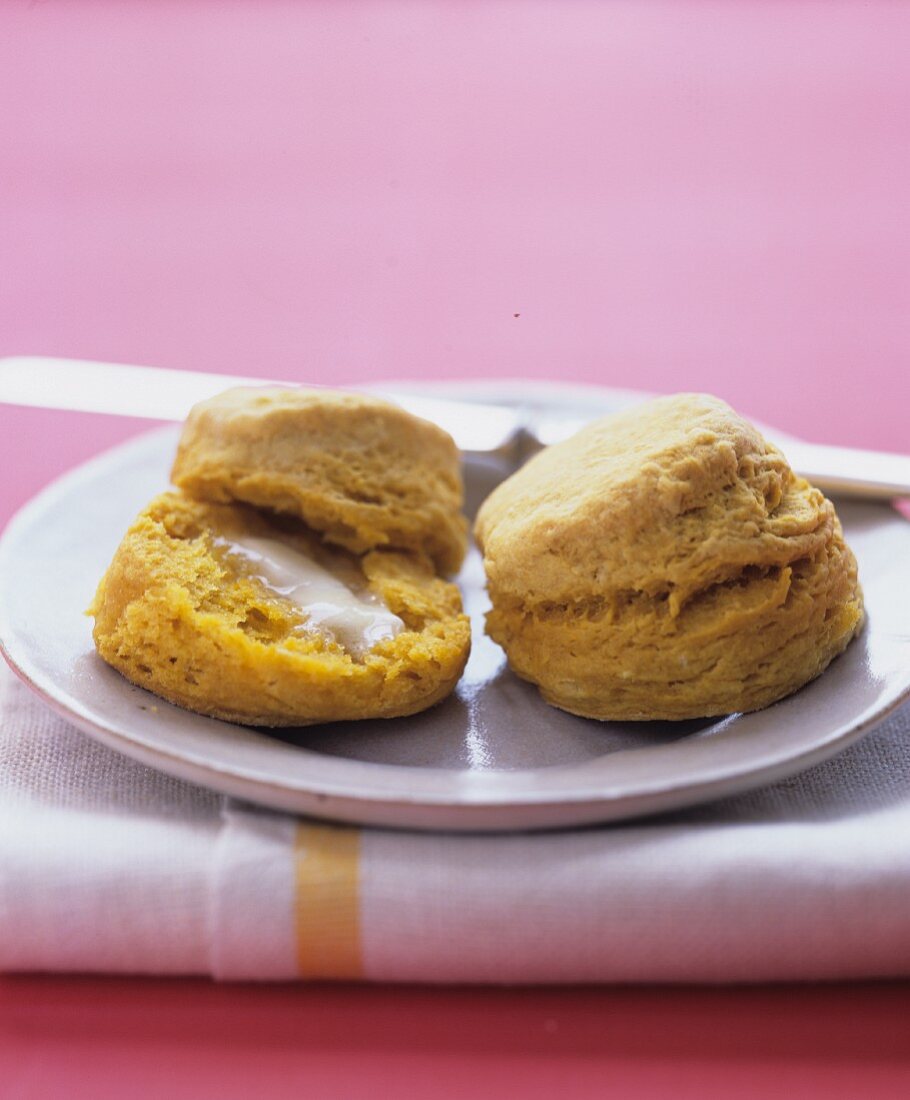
{"points": [[359, 470], [180, 613], [666, 563]]}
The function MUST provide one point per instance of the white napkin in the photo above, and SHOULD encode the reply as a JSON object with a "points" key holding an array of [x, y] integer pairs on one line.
{"points": [[106, 865]]}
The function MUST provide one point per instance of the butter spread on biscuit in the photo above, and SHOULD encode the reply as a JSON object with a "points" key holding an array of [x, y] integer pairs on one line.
{"points": [[357, 620]]}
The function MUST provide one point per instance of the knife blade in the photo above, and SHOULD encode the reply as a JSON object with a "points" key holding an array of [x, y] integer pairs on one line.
{"points": [[501, 431]]}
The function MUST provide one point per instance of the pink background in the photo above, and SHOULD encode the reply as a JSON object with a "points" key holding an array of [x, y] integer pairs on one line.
{"points": [[682, 195], [669, 196]]}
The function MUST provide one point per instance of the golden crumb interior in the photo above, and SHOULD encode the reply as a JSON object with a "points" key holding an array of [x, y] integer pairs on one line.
{"points": [[177, 614]]}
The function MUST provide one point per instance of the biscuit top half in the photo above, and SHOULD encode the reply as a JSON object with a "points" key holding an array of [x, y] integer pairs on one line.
{"points": [[665, 500], [359, 471]]}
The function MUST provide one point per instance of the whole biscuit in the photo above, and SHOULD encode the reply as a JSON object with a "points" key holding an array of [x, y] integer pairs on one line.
{"points": [[358, 470], [176, 616], [666, 563]]}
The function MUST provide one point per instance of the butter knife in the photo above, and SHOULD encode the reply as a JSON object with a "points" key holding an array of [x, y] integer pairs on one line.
{"points": [[501, 431]]}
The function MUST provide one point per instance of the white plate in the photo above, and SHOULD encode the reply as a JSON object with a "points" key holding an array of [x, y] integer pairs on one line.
{"points": [[493, 756]]}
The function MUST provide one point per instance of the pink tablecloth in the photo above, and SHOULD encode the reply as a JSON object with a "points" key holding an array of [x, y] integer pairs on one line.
{"points": [[701, 196]]}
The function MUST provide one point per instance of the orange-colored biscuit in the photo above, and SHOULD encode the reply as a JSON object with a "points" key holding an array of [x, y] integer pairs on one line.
{"points": [[177, 615], [356, 469], [666, 562]]}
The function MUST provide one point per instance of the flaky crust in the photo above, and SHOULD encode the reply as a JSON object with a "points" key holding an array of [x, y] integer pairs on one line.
{"points": [[173, 616], [666, 563], [358, 470]]}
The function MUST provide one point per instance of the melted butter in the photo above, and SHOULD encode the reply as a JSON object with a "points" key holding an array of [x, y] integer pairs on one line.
{"points": [[358, 621]]}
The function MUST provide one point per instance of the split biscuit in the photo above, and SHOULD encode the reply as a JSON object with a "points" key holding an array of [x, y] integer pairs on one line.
{"points": [[359, 470], [182, 613]]}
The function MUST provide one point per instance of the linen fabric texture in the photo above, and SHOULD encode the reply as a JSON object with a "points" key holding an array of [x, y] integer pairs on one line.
{"points": [[109, 866]]}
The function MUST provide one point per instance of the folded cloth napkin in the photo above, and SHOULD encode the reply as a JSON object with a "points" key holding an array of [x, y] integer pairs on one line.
{"points": [[107, 865]]}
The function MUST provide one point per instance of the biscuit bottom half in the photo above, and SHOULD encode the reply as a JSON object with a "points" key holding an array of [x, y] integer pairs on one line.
{"points": [[176, 615]]}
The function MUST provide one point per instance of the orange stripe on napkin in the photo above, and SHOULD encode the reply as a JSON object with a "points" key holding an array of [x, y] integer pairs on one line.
{"points": [[327, 901]]}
